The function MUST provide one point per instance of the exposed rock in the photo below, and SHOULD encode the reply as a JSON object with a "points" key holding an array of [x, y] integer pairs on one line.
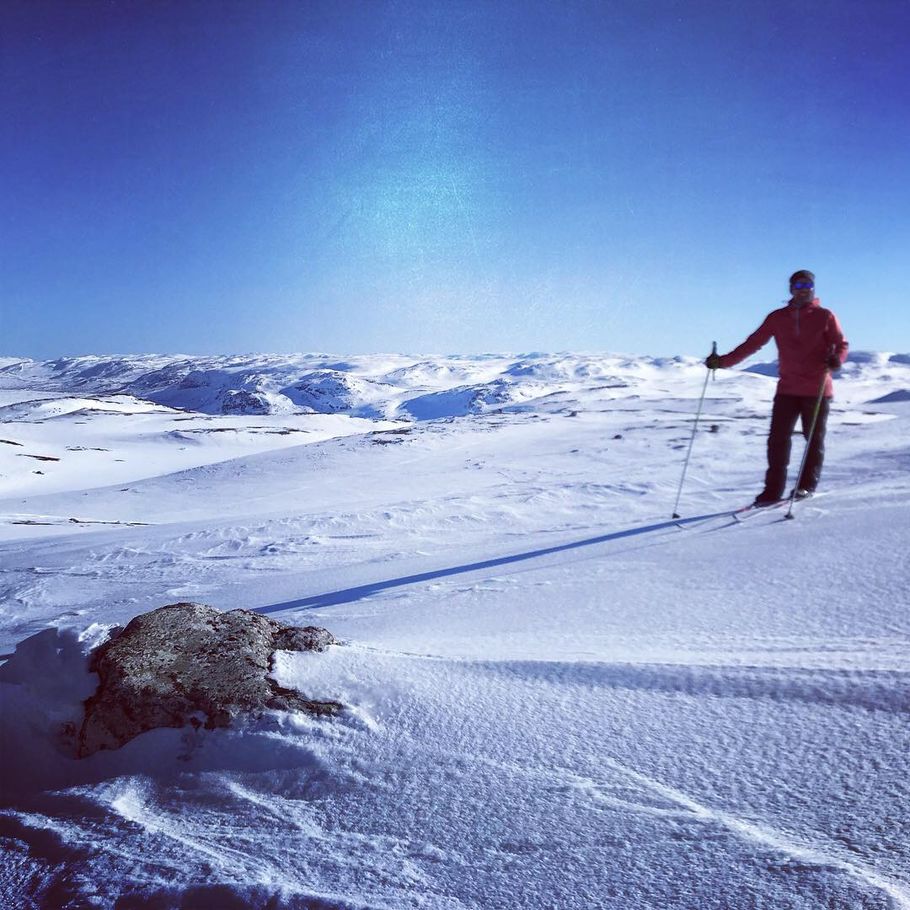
{"points": [[239, 401], [189, 664]]}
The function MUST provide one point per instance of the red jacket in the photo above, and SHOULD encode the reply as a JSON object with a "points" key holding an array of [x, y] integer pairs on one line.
{"points": [[806, 336]]}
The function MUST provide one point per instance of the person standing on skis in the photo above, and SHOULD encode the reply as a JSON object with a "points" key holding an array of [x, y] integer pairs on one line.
{"points": [[810, 344]]}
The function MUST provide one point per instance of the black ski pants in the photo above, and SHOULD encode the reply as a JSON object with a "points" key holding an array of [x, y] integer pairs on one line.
{"points": [[787, 409]]}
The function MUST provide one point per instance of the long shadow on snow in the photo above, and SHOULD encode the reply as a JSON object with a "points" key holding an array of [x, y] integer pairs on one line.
{"points": [[348, 595], [874, 690]]}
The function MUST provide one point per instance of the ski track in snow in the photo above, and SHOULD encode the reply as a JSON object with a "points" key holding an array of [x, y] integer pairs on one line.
{"points": [[816, 854], [676, 804]]}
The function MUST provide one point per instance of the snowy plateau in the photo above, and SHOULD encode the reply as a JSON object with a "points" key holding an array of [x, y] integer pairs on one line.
{"points": [[555, 695]]}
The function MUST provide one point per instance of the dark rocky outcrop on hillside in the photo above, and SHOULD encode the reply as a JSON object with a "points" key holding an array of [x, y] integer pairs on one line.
{"points": [[188, 664]]}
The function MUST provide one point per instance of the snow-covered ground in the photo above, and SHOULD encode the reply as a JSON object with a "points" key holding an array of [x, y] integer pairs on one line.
{"points": [[558, 697]]}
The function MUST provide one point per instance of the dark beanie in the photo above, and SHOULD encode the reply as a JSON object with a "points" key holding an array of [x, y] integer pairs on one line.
{"points": [[802, 275]]}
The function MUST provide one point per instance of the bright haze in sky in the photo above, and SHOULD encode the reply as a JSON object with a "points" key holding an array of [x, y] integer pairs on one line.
{"points": [[420, 175]]}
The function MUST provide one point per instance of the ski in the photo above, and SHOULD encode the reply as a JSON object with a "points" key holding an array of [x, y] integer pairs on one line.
{"points": [[798, 500], [748, 511], [743, 513], [732, 515], [753, 509]]}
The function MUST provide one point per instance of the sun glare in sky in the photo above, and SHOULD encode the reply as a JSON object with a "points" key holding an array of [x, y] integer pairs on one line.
{"points": [[441, 176]]}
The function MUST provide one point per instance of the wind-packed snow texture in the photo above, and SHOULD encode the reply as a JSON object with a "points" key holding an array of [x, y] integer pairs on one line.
{"points": [[558, 697]]}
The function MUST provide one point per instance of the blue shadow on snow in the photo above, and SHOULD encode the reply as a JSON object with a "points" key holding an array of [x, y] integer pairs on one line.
{"points": [[349, 595]]}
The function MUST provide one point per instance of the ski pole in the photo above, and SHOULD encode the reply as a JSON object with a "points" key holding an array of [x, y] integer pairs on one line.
{"points": [[802, 465], [701, 400]]}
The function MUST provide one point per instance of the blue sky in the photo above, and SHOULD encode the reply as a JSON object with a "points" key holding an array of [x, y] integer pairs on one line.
{"points": [[464, 176]]}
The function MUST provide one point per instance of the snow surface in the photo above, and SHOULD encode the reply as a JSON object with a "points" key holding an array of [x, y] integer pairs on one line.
{"points": [[558, 697]]}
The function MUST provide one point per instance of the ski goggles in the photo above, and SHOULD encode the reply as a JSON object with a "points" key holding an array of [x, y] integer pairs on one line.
{"points": [[802, 285]]}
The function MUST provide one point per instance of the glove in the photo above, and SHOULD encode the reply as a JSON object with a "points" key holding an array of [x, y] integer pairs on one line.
{"points": [[833, 362], [712, 361]]}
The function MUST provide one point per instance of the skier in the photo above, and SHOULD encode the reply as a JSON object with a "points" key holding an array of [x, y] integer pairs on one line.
{"points": [[810, 344]]}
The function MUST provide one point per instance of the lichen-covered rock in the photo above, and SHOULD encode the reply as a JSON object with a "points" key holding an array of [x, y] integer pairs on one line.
{"points": [[189, 664]]}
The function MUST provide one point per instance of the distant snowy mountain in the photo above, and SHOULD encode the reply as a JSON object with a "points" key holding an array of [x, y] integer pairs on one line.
{"points": [[395, 386]]}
